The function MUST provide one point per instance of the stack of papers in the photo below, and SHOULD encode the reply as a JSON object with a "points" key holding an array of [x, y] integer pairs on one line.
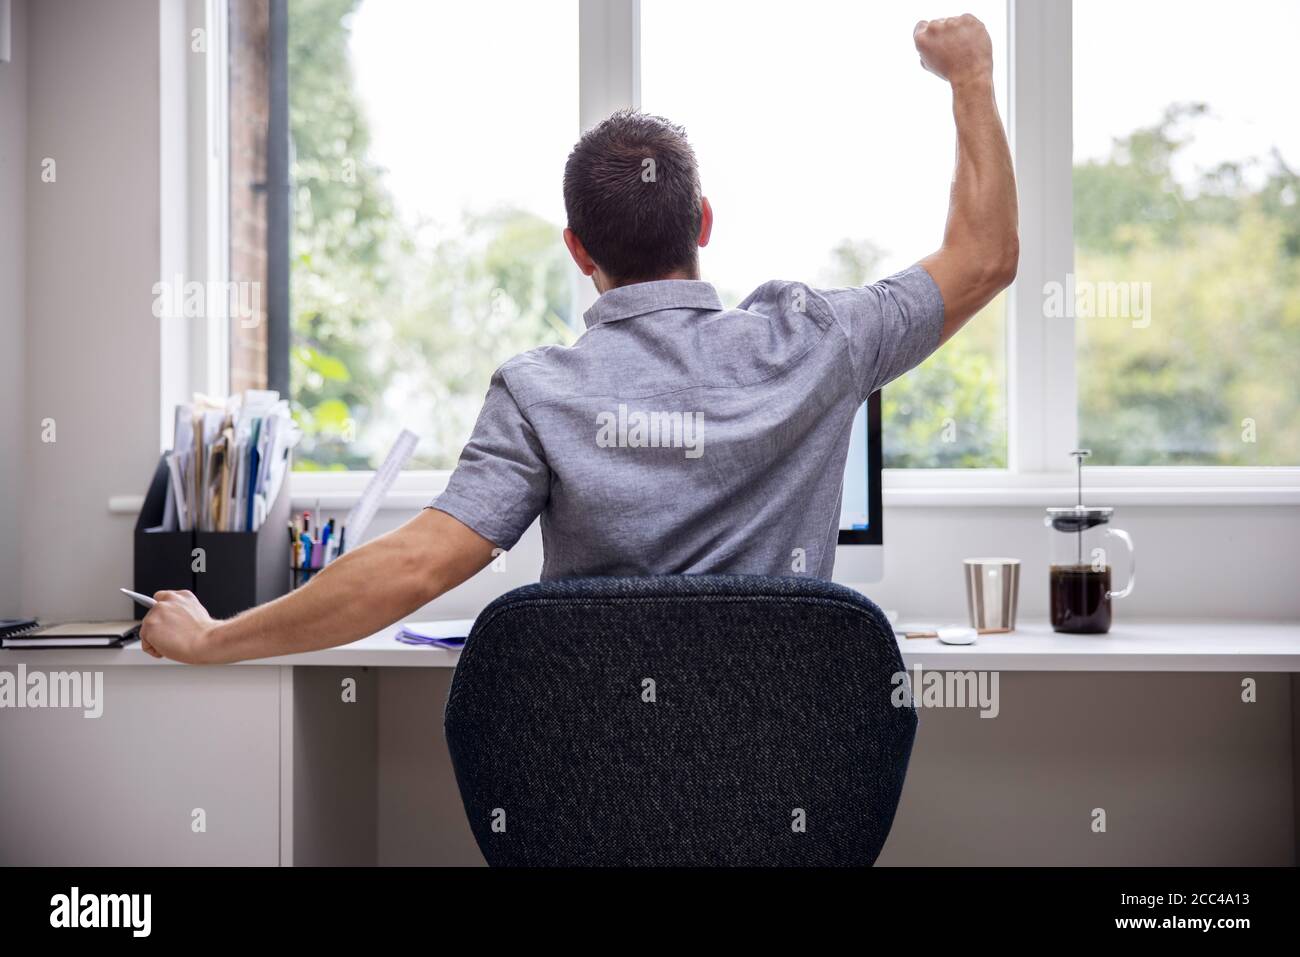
{"points": [[228, 461], [438, 634]]}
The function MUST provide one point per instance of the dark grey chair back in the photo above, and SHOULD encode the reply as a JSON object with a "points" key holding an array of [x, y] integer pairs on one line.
{"points": [[685, 720]]}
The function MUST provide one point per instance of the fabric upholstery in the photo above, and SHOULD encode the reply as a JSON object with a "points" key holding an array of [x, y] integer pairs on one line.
{"points": [[771, 699]]}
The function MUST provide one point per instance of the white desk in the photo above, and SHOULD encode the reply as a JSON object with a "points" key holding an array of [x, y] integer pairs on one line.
{"points": [[288, 772], [1130, 646]]}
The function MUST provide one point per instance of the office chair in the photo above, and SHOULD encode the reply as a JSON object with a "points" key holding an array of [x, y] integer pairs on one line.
{"points": [[683, 720]]}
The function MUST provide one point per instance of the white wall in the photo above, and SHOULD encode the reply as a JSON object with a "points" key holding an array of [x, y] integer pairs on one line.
{"points": [[14, 177], [92, 342]]}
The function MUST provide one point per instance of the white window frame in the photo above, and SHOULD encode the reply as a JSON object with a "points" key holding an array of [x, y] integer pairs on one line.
{"points": [[1042, 389], [195, 187], [1042, 400]]}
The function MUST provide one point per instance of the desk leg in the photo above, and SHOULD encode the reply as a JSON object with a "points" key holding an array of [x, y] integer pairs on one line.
{"points": [[329, 766], [286, 765], [421, 818], [1295, 761]]}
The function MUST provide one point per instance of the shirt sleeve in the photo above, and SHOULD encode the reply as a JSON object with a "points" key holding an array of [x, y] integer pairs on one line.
{"points": [[892, 325], [502, 480]]}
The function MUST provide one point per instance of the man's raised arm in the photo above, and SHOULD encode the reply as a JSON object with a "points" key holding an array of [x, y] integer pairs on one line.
{"points": [[981, 243], [358, 594]]}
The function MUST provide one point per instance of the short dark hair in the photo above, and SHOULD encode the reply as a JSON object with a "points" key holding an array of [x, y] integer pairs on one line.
{"points": [[632, 195]]}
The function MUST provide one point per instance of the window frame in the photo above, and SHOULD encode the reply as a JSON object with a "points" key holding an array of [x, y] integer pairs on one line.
{"points": [[1042, 395], [194, 186]]}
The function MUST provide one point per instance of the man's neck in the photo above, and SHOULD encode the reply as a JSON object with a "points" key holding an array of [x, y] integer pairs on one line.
{"points": [[604, 284]]}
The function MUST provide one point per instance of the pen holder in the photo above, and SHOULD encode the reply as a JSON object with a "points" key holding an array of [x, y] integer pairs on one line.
{"points": [[228, 572], [300, 576]]}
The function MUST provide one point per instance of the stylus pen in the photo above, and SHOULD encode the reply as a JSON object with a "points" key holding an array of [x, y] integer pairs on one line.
{"points": [[142, 599]]}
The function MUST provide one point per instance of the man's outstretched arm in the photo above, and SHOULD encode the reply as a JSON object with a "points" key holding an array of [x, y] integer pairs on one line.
{"points": [[981, 242], [358, 594]]}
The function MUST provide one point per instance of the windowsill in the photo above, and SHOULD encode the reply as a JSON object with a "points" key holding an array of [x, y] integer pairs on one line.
{"points": [[929, 488], [903, 488], [1155, 486]]}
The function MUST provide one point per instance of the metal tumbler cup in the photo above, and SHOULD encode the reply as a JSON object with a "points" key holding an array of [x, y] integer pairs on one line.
{"points": [[992, 591]]}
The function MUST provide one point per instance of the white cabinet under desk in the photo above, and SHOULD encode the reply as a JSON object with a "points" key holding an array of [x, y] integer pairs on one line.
{"points": [[337, 756]]}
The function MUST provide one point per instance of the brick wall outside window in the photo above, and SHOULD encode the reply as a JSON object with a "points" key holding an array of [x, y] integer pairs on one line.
{"points": [[249, 110]]}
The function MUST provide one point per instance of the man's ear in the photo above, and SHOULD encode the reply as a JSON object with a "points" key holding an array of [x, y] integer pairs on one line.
{"points": [[579, 252], [706, 221]]}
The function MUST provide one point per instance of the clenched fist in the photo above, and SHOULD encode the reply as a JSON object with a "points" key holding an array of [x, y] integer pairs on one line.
{"points": [[955, 48]]}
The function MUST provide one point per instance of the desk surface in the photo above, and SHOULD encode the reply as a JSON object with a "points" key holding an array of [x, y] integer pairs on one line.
{"points": [[1131, 646]]}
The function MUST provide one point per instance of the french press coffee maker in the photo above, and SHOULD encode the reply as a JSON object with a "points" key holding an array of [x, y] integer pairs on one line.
{"points": [[1080, 573]]}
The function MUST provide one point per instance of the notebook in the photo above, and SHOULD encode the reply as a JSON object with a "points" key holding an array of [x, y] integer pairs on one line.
{"points": [[13, 627], [76, 634]]}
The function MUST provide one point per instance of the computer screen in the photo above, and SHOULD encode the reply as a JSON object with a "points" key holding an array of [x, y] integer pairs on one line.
{"points": [[860, 520]]}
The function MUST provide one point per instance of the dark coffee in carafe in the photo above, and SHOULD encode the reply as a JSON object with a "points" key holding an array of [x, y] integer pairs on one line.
{"points": [[1080, 599]]}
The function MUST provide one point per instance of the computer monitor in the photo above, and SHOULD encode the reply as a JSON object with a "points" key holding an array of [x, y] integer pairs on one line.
{"points": [[860, 557]]}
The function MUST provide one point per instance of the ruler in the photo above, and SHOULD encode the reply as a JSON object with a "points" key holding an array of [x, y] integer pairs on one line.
{"points": [[378, 486]]}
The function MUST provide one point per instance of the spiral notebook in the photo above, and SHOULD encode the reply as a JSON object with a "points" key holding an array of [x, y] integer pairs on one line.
{"points": [[74, 634], [13, 627]]}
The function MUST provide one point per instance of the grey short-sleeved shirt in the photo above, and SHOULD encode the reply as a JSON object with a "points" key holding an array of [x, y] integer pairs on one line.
{"points": [[678, 437]]}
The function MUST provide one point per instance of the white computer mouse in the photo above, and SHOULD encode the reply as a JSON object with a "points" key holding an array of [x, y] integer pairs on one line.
{"points": [[957, 636]]}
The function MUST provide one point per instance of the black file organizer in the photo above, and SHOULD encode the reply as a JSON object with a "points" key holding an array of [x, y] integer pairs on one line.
{"points": [[242, 569]]}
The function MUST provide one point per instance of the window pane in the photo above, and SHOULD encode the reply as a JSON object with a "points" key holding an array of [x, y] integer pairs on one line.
{"points": [[827, 154], [1187, 232], [429, 143]]}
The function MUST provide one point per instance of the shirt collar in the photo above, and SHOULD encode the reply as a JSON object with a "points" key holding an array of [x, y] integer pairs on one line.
{"points": [[639, 298]]}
